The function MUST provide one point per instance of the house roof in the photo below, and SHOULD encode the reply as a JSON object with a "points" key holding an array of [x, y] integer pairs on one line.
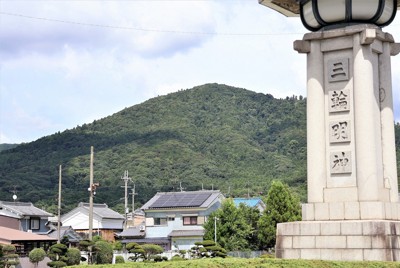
{"points": [[67, 231], [251, 202], [11, 236], [133, 232], [101, 210], [22, 209], [159, 241], [194, 199], [186, 233]]}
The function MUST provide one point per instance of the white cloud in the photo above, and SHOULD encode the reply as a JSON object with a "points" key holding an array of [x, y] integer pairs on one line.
{"points": [[65, 74]]}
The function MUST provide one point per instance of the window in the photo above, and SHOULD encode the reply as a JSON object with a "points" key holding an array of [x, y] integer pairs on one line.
{"points": [[34, 223], [190, 220], [160, 221]]}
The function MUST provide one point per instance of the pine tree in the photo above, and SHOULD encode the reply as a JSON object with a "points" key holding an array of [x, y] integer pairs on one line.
{"points": [[282, 206]]}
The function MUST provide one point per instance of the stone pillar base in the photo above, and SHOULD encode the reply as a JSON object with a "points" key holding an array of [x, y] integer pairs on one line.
{"points": [[364, 240]]}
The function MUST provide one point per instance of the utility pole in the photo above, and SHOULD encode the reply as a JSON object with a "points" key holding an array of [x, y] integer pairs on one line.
{"points": [[91, 195], [215, 229], [126, 179], [59, 206], [133, 198]]}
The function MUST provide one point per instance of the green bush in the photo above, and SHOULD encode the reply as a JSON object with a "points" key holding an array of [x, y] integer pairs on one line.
{"points": [[104, 252], [73, 256], [117, 245], [151, 249], [9, 258], [119, 259], [56, 264], [177, 258]]}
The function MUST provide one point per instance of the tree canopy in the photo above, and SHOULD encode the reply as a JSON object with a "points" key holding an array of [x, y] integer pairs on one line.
{"points": [[282, 206]]}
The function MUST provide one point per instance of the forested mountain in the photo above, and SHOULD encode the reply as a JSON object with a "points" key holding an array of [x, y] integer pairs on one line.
{"points": [[213, 135], [6, 146]]}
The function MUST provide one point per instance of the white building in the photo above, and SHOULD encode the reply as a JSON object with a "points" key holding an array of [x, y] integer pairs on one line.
{"points": [[175, 220]]}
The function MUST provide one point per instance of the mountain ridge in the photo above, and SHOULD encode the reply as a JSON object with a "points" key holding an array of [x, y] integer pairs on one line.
{"points": [[210, 136]]}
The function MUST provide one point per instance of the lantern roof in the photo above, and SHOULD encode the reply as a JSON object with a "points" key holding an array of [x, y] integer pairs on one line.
{"points": [[289, 8]]}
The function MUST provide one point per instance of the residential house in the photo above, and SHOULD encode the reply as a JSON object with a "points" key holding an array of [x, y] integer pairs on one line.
{"points": [[253, 202], [175, 220], [23, 216], [106, 222], [24, 242]]}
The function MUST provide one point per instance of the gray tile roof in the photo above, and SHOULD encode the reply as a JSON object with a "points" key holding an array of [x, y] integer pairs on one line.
{"points": [[103, 211], [193, 199], [23, 209], [133, 232], [67, 231], [186, 233]]}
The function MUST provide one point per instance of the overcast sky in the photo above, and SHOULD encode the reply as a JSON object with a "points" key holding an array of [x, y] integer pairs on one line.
{"points": [[65, 63]]}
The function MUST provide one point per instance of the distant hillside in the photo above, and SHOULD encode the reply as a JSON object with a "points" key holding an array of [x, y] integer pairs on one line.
{"points": [[7, 146], [213, 135]]}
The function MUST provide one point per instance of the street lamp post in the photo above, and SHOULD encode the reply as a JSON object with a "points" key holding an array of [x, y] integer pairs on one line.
{"points": [[352, 186]]}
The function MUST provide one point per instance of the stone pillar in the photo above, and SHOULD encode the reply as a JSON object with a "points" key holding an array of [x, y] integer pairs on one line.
{"points": [[352, 211]]}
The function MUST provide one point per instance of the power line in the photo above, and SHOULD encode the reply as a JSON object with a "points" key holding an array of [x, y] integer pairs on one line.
{"points": [[142, 29]]}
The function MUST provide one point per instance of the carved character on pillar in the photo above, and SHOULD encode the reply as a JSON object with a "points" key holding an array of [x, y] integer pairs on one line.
{"points": [[338, 70], [339, 100], [339, 131], [340, 162]]}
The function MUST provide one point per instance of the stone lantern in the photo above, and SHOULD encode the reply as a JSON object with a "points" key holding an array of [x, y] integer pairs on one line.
{"points": [[353, 210], [317, 14]]}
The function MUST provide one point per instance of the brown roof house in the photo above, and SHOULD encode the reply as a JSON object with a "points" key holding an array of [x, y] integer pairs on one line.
{"points": [[175, 220], [24, 216], [25, 241], [106, 222]]}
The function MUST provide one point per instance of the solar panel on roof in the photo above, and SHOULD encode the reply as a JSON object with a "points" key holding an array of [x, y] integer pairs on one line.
{"points": [[181, 200]]}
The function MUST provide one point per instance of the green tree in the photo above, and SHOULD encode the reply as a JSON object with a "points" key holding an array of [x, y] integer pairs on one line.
{"points": [[87, 245], [151, 250], [233, 230], [137, 250], [282, 206], [37, 255], [252, 216], [9, 257], [104, 252], [207, 249], [57, 256]]}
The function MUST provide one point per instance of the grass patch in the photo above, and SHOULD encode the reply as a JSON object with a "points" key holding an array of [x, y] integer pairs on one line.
{"points": [[256, 263]]}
